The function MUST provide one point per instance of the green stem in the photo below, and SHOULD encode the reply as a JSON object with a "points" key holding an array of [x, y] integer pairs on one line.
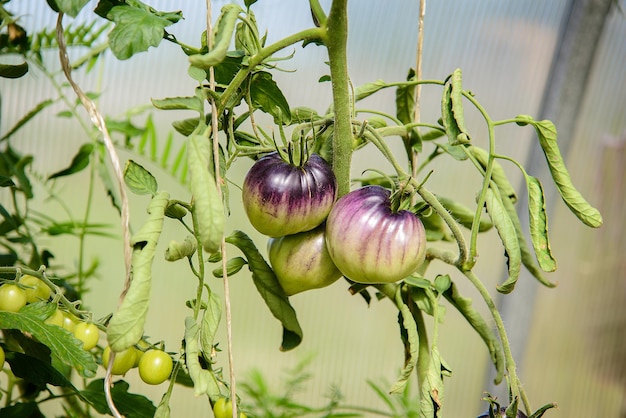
{"points": [[304, 35], [318, 13], [335, 38], [514, 382]]}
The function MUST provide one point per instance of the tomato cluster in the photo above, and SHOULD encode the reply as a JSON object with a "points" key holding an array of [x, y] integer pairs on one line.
{"points": [[29, 289], [155, 366], [314, 239]]}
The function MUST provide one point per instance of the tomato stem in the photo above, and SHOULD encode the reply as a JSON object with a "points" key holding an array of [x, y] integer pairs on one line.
{"points": [[336, 37]]}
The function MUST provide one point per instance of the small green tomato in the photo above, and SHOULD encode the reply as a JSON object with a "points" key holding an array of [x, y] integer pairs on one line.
{"points": [[88, 333], [124, 360], [155, 367], [12, 297], [35, 288]]}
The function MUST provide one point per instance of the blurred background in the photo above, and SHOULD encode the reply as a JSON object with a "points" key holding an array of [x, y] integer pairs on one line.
{"points": [[562, 59]]}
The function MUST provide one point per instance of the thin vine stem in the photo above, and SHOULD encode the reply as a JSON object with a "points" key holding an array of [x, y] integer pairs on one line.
{"points": [[218, 180], [514, 382]]}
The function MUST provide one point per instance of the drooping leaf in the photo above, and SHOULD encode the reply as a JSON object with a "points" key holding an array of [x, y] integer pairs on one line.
{"points": [[464, 215], [508, 236], [452, 111], [405, 110], [538, 223], [367, 89], [222, 35], [13, 71], [126, 326], [130, 405], [486, 332], [178, 250], [232, 267], [139, 180], [432, 390], [497, 172], [79, 162], [208, 207], [270, 290], [185, 103], [204, 381], [547, 134], [412, 341], [210, 323], [266, 95], [61, 342]]}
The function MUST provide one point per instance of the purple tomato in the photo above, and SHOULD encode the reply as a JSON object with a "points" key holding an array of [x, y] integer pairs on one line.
{"points": [[369, 242], [284, 199]]}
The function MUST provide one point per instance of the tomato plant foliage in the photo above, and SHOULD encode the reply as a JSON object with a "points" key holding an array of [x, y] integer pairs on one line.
{"points": [[298, 192]]}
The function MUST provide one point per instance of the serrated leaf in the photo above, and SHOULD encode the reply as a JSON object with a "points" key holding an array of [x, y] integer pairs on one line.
{"points": [[538, 223], [139, 180], [61, 342], [270, 290], [130, 405], [79, 162], [126, 326], [31, 114], [266, 95], [71, 7], [589, 215], [136, 30], [13, 71], [221, 38], [508, 236]]}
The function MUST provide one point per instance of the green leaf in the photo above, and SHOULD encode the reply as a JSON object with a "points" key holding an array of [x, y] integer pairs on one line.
{"points": [[232, 267], [508, 236], [266, 95], [22, 410], [136, 29], [412, 339], [6, 181], [464, 215], [208, 207], [405, 109], [178, 250], [128, 404], [368, 89], [13, 71], [61, 342], [589, 215], [186, 126], [539, 412], [538, 222], [432, 389], [204, 381], [139, 180], [497, 172], [528, 258], [486, 332], [221, 38], [71, 7], [79, 162], [36, 371], [210, 323], [270, 290], [188, 103], [126, 326], [452, 110]]}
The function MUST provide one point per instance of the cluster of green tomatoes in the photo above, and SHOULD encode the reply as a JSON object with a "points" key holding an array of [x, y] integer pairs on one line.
{"points": [[154, 365], [316, 238]]}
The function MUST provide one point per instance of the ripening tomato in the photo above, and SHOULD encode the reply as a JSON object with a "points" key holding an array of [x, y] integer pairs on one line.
{"points": [[369, 242], [301, 261], [284, 199]]}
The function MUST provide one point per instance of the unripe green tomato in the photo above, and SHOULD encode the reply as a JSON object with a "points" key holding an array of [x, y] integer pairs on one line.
{"points": [[56, 318], [1, 357], [223, 408], [155, 367], [88, 333], [36, 290], [69, 321], [124, 360], [12, 298], [301, 261]]}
